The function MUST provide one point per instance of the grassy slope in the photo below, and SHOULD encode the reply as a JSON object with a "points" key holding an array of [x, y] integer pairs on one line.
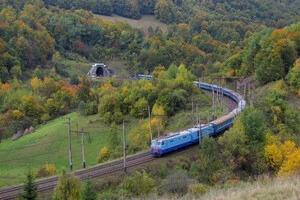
{"points": [[266, 189], [49, 144], [143, 23]]}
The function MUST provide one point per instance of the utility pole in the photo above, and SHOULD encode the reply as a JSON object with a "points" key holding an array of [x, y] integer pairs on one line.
{"points": [[197, 115], [77, 131], [245, 88], [193, 111], [213, 106], [70, 145], [82, 143], [158, 126], [208, 121], [199, 125], [150, 123], [124, 147]]}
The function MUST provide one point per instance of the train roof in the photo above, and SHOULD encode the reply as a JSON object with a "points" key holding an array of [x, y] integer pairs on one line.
{"points": [[223, 118], [172, 135]]}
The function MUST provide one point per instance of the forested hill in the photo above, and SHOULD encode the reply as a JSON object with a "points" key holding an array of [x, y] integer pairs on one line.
{"points": [[36, 39], [274, 13]]}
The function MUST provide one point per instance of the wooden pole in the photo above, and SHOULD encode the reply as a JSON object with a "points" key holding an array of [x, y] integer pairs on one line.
{"points": [[124, 146], [150, 123], [70, 145], [82, 144]]}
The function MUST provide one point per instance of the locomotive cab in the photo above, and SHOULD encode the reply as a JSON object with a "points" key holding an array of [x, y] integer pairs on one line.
{"points": [[156, 147]]}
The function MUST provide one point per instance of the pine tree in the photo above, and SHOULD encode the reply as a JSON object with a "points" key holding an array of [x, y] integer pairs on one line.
{"points": [[89, 192], [30, 187]]}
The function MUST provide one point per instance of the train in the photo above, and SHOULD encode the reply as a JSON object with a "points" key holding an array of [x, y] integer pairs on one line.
{"points": [[174, 141], [142, 76]]}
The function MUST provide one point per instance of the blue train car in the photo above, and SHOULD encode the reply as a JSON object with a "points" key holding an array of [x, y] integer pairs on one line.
{"points": [[223, 123], [142, 76]]}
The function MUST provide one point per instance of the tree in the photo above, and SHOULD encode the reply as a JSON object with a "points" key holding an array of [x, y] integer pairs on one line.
{"points": [[254, 125], [164, 11], [89, 192], [113, 140], [291, 165], [293, 77], [139, 184], [103, 155], [234, 145], [67, 188], [83, 91], [30, 187]]}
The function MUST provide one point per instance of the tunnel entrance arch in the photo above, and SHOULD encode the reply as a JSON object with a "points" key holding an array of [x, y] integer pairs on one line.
{"points": [[99, 72]]}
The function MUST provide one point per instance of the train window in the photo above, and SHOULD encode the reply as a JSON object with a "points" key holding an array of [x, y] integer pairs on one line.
{"points": [[171, 140], [184, 136], [162, 143]]}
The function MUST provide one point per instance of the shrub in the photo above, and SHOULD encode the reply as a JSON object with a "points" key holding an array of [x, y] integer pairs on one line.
{"points": [[176, 183], [103, 155], [107, 117], [139, 184], [46, 170], [197, 189]]}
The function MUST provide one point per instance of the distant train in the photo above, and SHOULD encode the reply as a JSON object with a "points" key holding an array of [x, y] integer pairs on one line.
{"points": [[173, 141], [142, 76]]}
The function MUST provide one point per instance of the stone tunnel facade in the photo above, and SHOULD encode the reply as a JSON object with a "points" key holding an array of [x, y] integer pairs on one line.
{"points": [[100, 70]]}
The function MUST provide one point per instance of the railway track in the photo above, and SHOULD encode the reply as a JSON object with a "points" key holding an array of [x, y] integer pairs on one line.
{"points": [[98, 171]]}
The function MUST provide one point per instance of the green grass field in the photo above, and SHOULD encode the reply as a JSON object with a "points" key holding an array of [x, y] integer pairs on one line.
{"points": [[49, 143]]}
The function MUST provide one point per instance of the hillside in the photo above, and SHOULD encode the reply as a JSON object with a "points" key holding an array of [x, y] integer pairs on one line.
{"points": [[264, 188], [47, 47], [144, 23]]}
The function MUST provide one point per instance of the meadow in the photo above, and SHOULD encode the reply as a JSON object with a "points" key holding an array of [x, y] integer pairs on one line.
{"points": [[50, 144]]}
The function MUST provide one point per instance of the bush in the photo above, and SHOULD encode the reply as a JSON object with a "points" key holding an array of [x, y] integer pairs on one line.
{"points": [[176, 183], [107, 117], [197, 189], [139, 184], [46, 170], [91, 108], [103, 155], [118, 117]]}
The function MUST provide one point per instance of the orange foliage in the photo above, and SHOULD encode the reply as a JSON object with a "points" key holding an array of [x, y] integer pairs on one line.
{"points": [[5, 87], [35, 83], [278, 34]]}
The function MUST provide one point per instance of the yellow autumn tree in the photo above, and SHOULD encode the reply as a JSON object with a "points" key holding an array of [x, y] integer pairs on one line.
{"points": [[291, 165], [273, 156], [287, 148], [282, 157], [50, 168], [35, 84], [103, 155]]}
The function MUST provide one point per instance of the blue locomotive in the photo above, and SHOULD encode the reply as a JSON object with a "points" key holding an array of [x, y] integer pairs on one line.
{"points": [[173, 141]]}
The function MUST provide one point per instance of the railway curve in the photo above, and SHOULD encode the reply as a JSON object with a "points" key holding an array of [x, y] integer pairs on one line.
{"points": [[100, 170]]}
